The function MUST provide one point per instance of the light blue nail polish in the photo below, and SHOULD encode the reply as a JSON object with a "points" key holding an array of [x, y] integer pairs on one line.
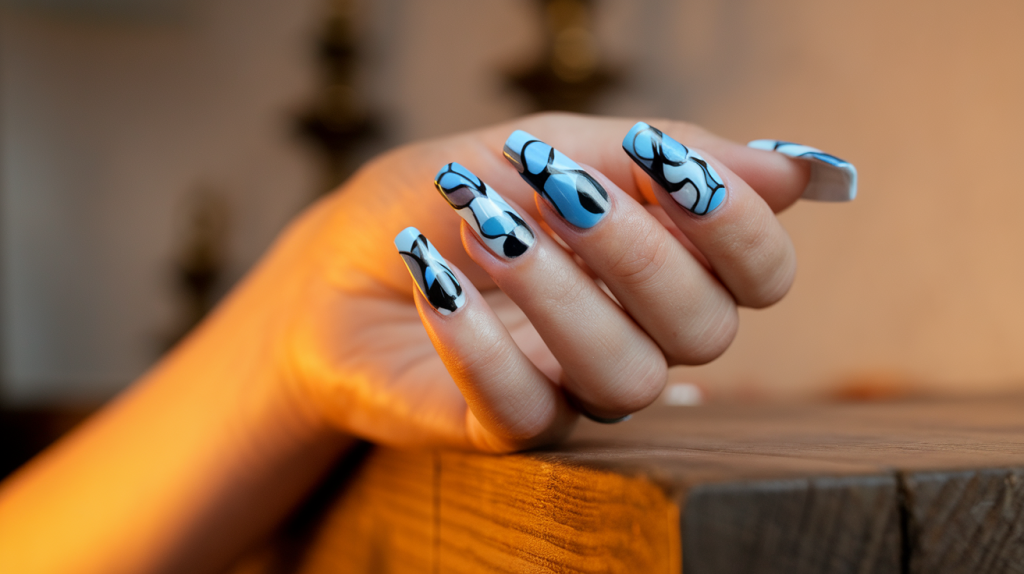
{"points": [[832, 179], [430, 271], [572, 191], [500, 227], [684, 174]]}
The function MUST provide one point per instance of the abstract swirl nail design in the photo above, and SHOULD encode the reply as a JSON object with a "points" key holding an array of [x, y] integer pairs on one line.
{"points": [[494, 220], [832, 179], [430, 271], [573, 192], [685, 175]]}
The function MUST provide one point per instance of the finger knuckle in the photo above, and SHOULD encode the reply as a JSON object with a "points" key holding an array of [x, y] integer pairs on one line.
{"points": [[529, 423], [518, 429], [642, 377], [768, 264], [568, 290], [773, 288], [484, 441], [641, 256], [707, 338]]}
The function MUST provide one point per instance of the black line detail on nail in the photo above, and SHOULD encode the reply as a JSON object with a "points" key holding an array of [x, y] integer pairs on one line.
{"points": [[441, 296], [811, 154], [584, 183], [518, 237], [656, 164]]}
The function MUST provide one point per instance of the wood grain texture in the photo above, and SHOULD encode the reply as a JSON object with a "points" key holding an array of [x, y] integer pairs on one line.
{"points": [[925, 486], [521, 514], [835, 525], [383, 523], [965, 521]]}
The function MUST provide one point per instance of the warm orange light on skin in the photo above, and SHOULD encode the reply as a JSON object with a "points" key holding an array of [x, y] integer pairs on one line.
{"points": [[167, 475]]}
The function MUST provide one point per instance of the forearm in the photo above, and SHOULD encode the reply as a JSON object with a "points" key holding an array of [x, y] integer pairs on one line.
{"points": [[199, 458], [179, 474]]}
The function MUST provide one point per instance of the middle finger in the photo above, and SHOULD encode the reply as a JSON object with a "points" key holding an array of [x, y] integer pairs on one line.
{"points": [[670, 294]]}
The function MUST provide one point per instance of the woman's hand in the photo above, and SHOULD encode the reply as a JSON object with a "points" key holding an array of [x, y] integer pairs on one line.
{"points": [[524, 335], [325, 338]]}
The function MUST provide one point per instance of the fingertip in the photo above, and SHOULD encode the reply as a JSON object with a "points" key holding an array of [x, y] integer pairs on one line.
{"points": [[405, 238], [630, 143], [778, 179], [515, 147], [499, 441], [831, 178], [432, 274]]}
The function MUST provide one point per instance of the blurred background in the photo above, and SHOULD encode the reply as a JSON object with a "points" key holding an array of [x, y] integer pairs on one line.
{"points": [[151, 150]]}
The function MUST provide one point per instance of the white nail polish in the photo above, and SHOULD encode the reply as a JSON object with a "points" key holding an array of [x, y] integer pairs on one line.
{"points": [[832, 179]]}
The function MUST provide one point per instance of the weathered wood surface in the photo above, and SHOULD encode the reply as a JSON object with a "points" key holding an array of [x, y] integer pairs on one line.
{"points": [[924, 486], [966, 521]]}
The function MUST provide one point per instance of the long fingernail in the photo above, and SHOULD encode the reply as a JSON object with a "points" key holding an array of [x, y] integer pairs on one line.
{"points": [[430, 271], [497, 224], [686, 176], [832, 179], [573, 192]]}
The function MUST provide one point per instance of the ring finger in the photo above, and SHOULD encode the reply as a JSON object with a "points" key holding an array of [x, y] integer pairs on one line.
{"points": [[727, 221]]}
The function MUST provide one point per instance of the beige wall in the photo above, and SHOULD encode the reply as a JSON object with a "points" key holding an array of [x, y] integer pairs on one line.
{"points": [[921, 278], [105, 125], [108, 122]]}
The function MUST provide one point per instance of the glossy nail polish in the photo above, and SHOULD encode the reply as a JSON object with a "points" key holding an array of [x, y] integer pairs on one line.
{"points": [[430, 271], [575, 195], [832, 179], [494, 220], [684, 174]]}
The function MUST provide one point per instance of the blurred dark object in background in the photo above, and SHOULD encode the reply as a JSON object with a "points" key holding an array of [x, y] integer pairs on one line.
{"points": [[339, 122], [570, 75], [27, 431], [200, 263]]}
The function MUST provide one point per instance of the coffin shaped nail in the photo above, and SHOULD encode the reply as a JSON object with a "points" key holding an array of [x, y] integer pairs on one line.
{"points": [[430, 271], [832, 179], [494, 220], [683, 173], [572, 191]]}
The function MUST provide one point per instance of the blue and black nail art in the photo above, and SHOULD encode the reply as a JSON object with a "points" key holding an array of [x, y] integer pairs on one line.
{"points": [[572, 191], [832, 179], [430, 271], [494, 220], [684, 174]]}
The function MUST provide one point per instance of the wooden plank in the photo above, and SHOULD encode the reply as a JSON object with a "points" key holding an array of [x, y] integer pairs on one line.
{"points": [[375, 516], [835, 525], [895, 487], [387, 516], [919, 435], [965, 521], [521, 514], [529, 513]]}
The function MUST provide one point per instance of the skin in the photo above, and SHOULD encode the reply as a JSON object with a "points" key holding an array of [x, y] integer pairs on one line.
{"points": [[327, 339]]}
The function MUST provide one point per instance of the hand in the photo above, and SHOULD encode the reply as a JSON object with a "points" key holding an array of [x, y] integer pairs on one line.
{"points": [[528, 337], [326, 336]]}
